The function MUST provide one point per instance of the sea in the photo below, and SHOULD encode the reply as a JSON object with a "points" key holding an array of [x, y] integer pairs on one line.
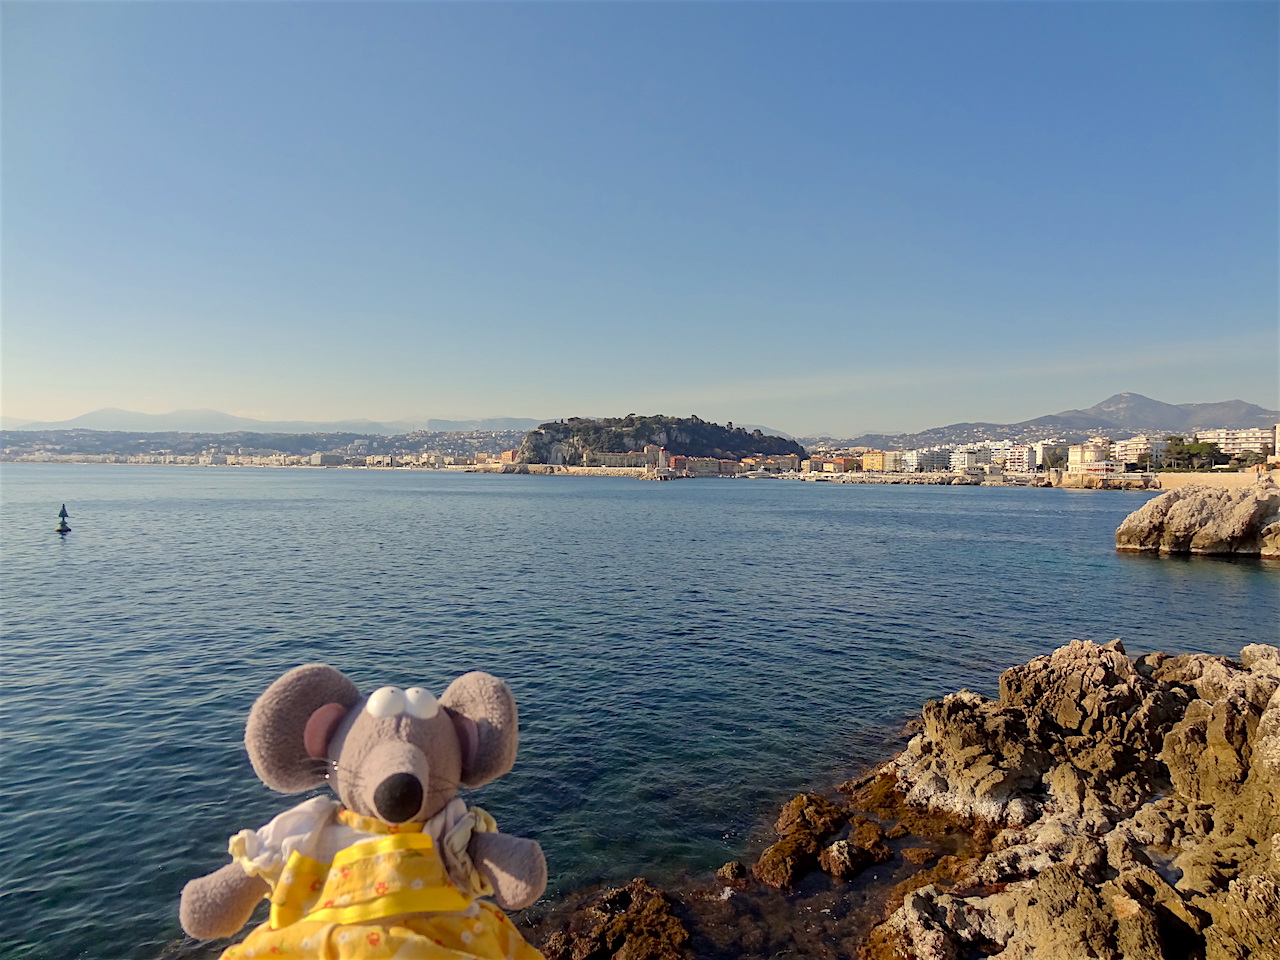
{"points": [[685, 655]]}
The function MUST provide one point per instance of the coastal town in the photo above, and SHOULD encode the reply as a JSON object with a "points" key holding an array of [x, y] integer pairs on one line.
{"points": [[1099, 461]]}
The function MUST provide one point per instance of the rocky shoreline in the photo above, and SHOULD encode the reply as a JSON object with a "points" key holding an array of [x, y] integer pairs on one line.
{"points": [[1207, 520], [1102, 806]]}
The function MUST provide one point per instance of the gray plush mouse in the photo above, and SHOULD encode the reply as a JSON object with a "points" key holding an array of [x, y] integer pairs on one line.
{"points": [[400, 867]]}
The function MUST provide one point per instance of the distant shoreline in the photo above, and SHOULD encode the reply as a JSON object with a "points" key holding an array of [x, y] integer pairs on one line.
{"points": [[1060, 479]]}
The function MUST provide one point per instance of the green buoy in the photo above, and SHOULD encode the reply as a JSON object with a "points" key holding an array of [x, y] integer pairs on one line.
{"points": [[62, 521]]}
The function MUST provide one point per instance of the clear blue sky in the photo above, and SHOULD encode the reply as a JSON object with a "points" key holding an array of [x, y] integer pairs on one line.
{"points": [[822, 217]]}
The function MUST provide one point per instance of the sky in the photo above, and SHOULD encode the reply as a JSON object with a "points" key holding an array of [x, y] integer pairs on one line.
{"points": [[826, 218]]}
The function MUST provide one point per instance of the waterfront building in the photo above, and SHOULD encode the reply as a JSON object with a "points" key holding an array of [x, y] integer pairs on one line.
{"points": [[1079, 455], [873, 461], [928, 460], [784, 463], [1239, 441], [1020, 458], [1103, 468], [705, 466], [632, 458], [1131, 450]]}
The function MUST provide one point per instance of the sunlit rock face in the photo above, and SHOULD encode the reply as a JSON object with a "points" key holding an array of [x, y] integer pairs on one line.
{"points": [[1207, 520], [1140, 802], [1101, 806]]}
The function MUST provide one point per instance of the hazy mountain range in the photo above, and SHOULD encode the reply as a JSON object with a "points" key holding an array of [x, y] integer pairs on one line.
{"points": [[1123, 412], [214, 421], [1122, 415]]}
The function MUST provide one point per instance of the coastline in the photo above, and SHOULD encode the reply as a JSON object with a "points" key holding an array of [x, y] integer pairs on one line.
{"points": [[1102, 805], [1161, 482]]}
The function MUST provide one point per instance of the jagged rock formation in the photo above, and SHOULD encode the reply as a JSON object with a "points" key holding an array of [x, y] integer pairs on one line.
{"points": [[634, 922], [1140, 803], [1207, 520], [804, 825], [1101, 807]]}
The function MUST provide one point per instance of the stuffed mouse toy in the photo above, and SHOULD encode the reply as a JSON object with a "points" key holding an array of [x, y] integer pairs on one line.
{"points": [[399, 867]]}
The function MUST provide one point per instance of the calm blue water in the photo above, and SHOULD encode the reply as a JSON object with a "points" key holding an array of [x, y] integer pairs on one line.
{"points": [[685, 655]]}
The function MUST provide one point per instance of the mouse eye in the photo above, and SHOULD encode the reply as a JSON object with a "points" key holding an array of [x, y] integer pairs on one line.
{"points": [[421, 703], [386, 702]]}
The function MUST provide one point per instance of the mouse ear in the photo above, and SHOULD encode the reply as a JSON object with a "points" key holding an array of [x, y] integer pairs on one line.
{"points": [[484, 715], [281, 735]]}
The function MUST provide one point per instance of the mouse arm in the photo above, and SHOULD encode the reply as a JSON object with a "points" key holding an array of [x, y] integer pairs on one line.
{"points": [[514, 866], [220, 904]]}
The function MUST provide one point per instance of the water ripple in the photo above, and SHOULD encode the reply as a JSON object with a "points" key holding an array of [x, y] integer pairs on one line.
{"points": [[685, 655]]}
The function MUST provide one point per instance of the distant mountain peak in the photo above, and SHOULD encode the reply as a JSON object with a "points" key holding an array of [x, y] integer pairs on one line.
{"points": [[204, 420], [1120, 415]]}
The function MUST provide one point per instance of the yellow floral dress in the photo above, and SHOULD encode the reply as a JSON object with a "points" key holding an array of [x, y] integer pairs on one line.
{"points": [[347, 887]]}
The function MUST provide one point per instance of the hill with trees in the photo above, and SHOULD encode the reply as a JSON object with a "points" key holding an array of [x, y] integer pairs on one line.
{"points": [[568, 441]]}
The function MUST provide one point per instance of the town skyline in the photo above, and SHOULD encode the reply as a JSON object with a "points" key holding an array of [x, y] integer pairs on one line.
{"points": [[833, 219]]}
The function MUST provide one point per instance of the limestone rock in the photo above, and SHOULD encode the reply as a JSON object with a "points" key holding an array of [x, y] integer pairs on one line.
{"points": [[733, 872], [918, 855], [1246, 922], [634, 922], [809, 815], [1207, 520], [805, 822], [915, 930], [1081, 727], [1155, 789], [865, 847]]}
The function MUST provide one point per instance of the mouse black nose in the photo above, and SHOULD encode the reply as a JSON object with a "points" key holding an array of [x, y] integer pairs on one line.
{"points": [[398, 798]]}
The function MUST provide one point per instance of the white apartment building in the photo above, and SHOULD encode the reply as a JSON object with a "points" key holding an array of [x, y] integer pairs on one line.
{"points": [[1238, 441], [1020, 459], [962, 461], [983, 454], [1128, 451], [928, 460]]}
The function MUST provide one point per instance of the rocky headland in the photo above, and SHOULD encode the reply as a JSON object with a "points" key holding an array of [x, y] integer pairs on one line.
{"points": [[1207, 520], [1101, 807], [571, 441]]}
